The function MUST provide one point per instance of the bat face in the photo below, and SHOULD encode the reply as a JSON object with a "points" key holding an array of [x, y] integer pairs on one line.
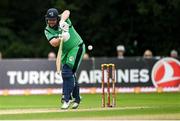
{"points": [[58, 59]]}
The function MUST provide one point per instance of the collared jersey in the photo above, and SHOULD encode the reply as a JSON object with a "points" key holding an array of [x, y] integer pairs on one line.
{"points": [[73, 41]]}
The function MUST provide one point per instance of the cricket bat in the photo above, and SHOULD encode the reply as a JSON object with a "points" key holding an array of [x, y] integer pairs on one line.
{"points": [[58, 58]]}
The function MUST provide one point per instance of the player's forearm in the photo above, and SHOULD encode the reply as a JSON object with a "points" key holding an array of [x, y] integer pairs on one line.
{"points": [[65, 15], [55, 42]]}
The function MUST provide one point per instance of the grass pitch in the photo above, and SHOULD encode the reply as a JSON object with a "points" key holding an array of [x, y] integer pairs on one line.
{"points": [[129, 106]]}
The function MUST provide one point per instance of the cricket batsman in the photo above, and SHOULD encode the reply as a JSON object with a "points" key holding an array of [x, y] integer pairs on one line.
{"points": [[59, 28]]}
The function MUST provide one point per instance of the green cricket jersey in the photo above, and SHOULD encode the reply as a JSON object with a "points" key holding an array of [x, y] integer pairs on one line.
{"points": [[72, 50], [74, 40]]}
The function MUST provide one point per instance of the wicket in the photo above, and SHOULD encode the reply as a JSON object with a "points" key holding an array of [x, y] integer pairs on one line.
{"points": [[110, 69]]}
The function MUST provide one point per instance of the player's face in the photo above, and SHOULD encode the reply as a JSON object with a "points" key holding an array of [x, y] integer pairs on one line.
{"points": [[52, 22]]}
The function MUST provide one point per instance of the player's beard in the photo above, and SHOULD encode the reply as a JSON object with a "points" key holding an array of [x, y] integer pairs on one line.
{"points": [[54, 26]]}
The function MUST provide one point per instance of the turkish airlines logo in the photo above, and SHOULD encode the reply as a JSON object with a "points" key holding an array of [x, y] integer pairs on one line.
{"points": [[166, 73]]}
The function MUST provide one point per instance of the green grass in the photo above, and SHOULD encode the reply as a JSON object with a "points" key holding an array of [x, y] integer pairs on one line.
{"points": [[133, 106]]}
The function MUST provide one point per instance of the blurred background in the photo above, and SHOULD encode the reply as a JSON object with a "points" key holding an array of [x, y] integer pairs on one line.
{"points": [[138, 25]]}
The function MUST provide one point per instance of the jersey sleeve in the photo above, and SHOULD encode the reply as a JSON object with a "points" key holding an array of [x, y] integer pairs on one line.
{"points": [[49, 35], [69, 22]]}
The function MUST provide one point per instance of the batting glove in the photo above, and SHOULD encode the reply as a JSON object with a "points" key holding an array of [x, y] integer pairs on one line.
{"points": [[65, 36], [64, 25]]}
